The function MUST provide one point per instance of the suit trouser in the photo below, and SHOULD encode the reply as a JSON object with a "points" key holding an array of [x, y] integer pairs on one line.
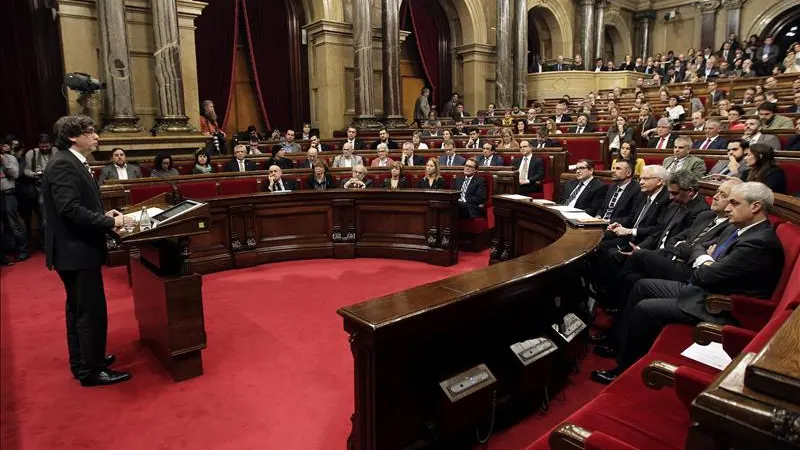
{"points": [[87, 320], [652, 305], [644, 263], [9, 214]]}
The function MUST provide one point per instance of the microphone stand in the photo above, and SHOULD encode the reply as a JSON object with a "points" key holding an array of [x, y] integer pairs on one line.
{"points": [[177, 197]]}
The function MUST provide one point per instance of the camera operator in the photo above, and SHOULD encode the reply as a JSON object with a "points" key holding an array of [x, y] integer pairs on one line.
{"points": [[36, 160], [9, 213]]}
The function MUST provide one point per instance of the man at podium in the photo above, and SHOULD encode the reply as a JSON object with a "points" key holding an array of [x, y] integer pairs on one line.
{"points": [[76, 248]]}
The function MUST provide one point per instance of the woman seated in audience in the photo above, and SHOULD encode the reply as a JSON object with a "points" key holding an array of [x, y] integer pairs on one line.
{"points": [[202, 163], [663, 94], [619, 132], [359, 179], [734, 114], [647, 121], [397, 180], [627, 152], [508, 119], [447, 135], [637, 105], [794, 141], [723, 105], [320, 180], [383, 159], [759, 90], [162, 167], [551, 127], [792, 61], [691, 74], [507, 140], [761, 166], [520, 127], [675, 111], [432, 178], [416, 139]]}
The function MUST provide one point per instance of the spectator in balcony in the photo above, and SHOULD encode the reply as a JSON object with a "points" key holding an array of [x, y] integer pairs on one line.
{"points": [[396, 178], [578, 63], [202, 163], [767, 56], [432, 178], [627, 152], [792, 60], [347, 158], [599, 66], [746, 70], [761, 167], [559, 65], [320, 180], [359, 179], [162, 166]]}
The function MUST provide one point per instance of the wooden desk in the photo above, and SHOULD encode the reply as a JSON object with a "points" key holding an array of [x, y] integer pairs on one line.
{"points": [[405, 343]]}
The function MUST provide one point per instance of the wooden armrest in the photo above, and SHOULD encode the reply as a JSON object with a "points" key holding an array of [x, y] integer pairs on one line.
{"points": [[706, 333], [716, 304], [568, 437], [659, 374]]}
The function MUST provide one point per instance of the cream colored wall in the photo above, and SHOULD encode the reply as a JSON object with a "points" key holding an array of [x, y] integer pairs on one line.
{"points": [[80, 46]]}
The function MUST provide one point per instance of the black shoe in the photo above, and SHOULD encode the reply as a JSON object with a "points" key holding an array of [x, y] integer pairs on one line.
{"points": [[605, 351], [105, 377], [599, 338], [605, 376], [23, 256], [6, 262]]}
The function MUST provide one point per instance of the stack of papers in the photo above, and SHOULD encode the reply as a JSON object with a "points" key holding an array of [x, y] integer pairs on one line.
{"points": [[712, 355]]}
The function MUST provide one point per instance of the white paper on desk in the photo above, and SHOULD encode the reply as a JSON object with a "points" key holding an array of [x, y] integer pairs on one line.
{"points": [[541, 201], [150, 212], [516, 197], [712, 355], [565, 208], [578, 215]]}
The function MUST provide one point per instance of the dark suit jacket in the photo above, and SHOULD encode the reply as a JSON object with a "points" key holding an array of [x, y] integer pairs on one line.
{"points": [[311, 183], [771, 59], [76, 223], [564, 118], [495, 160], [458, 160], [401, 184], [589, 128], [624, 202], [654, 218], [367, 182], [718, 95], [283, 163], [422, 183], [548, 143], [418, 160], [109, 172], [677, 218], [750, 266], [304, 164], [683, 244], [475, 195], [555, 68], [774, 178], [719, 143], [233, 166], [590, 200], [288, 185], [390, 143], [631, 66], [535, 175], [653, 141], [713, 73], [358, 144]]}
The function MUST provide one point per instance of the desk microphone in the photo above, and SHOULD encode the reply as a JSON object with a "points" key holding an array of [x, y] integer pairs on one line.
{"points": [[177, 197]]}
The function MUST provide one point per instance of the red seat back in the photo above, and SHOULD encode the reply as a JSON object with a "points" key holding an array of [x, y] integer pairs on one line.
{"points": [[789, 235], [238, 186], [584, 148], [792, 171], [199, 190], [139, 194]]}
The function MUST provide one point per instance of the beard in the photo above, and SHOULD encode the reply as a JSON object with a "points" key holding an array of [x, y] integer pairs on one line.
{"points": [[211, 116]]}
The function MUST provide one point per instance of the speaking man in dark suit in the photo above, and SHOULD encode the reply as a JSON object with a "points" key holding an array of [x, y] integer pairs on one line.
{"points": [[584, 192], [76, 248], [746, 261], [239, 162], [620, 195], [473, 191], [530, 170]]}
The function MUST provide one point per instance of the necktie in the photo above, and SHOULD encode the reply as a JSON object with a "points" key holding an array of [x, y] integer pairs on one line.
{"points": [[668, 228], [660, 143], [580, 130], [241, 166], [641, 214], [280, 185], [450, 160], [706, 143], [728, 242], [575, 193], [523, 170], [464, 186], [86, 164], [487, 162], [673, 166], [705, 231], [612, 204]]}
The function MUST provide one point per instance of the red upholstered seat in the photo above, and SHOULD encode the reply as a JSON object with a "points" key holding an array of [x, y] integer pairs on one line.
{"points": [[584, 148], [139, 194], [184, 168], [792, 171], [199, 190], [145, 168], [238, 186]]}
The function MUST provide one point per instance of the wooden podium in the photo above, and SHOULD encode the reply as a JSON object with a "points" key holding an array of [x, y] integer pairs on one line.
{"points": [[167, 294]]}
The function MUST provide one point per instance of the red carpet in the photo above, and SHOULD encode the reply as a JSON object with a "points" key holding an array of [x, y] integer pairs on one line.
{"points": [[278, 369]]}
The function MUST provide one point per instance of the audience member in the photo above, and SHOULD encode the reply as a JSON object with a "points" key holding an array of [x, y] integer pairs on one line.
{"points": [[488, 157], [383, 159], [347, 158], [761, 167], [734, 165], [681, 159], [312, 155], [383, 137], [275, 181], [627, 152], [621, 193], [770, 120], [753, 135], [288, 144], [617, 133], [396, 178], [530, 170], [450, 158], [408, 157], [359, 179], [353, 140], [279, 159], [320, 180], [584, 192], [664, 138], [202, 163], [471, 202], [163, 165], [713, 139], [432, 178]]}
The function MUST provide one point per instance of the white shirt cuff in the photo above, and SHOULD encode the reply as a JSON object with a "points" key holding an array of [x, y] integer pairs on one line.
{"points": [[702, 259]]}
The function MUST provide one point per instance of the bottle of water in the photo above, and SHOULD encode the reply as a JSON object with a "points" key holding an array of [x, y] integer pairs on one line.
{"points": [[144, 220]]}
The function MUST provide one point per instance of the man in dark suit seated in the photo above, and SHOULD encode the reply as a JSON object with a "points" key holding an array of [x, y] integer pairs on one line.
{"points": [[408, 157], [239, 163], [450, 158], [542, 139], [277, 183], [747, 261], [714, 94], [621, 194], [583, 125], [530, 170], [664, 140], [76, 248], [311, 159], [584, 192], [383, 138], [489, 157], [561, 113], [352, 138], [713, 140], [559, 66], [475, 140], [647, 215], [471, 202]]}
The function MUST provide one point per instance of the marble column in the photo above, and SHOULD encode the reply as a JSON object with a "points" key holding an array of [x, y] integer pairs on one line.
{"points": [[587, 32], [708, 12], [646, 20], [119, 116], [734, 8], [392, 98], [521, 53], [600, 28], [362, 65], [169, 78], [504, 68]]}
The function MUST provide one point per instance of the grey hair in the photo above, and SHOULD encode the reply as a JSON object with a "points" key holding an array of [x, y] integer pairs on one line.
{"points": [[685, 139], [686, 180], [754, 191], [664, 122], [657, 171], [383, 146], [713, 122]]}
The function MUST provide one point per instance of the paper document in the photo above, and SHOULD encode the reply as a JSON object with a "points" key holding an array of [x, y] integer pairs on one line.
{"points": [[150, 212], [541, 201], [564, 208], [516, 197], [711, 355], [577, 215]]}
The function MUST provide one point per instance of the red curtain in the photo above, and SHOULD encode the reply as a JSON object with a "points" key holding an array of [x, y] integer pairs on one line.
{"points": [[430, 30], [216, 36], [31, 53]]}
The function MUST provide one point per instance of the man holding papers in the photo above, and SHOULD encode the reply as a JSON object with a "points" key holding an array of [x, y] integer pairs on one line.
{"points": [[584, 192]]}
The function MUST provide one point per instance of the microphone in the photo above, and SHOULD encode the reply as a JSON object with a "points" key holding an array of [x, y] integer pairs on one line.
{"points": [[177, 197]]}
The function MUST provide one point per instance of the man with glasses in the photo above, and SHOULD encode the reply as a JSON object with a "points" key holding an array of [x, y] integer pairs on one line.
{"points": [[471, 202], [530, 170], [76, 248], [488, 156], [584, 192], [681, 159]]}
